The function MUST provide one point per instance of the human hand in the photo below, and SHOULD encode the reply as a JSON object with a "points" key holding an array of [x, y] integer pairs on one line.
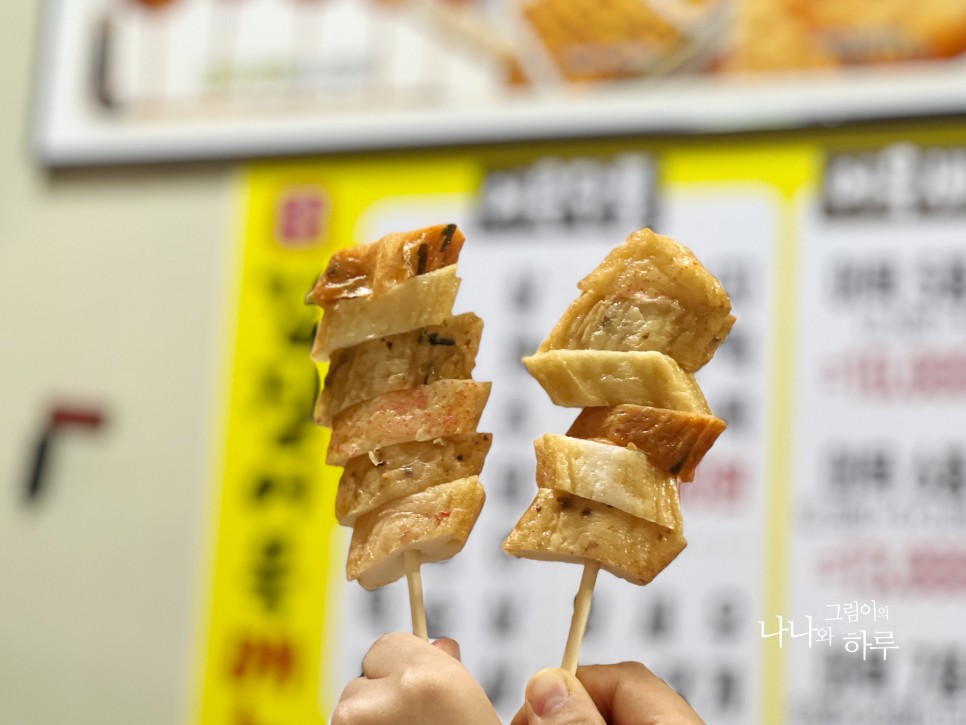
{"points": [[623, 694], [407, 680]]}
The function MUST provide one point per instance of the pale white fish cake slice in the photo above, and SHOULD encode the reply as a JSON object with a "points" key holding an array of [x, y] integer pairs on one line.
{"points": [[416, 302], [674, 440], [608, 474]]}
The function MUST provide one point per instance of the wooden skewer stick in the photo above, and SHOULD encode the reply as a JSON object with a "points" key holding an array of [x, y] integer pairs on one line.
{"points": [[581, 611], [412, 560]]}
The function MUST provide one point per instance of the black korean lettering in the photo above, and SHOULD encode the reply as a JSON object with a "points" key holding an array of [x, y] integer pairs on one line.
{"points": [[941, 669], [597, 617], [520, 347], [901, 179], [726, 686], [266, 488], [377, 609], [558, 193], [735, 412], [439, 617], [952, 673], [681, 678], [726, 615], [503, 616], [294, 323], [498, 682], [301, 333], [942, 279], [263, 487], [513, 484], [299, 489], [658, 620], [735, 276], [299, 404], [275, 287], [943, 473], [270, 573], [502, 559], [736, 348], [297, 426], [270, 386], [846, 671], [864, 281], [516, 414], [523, 293], [860, 470]]}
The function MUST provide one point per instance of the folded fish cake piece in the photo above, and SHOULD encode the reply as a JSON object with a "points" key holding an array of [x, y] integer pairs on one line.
{"points": [[416, 302], [443, 408], [371, 480], [562, 527], [650, 263], [674, 440], [436, 522], [593, 378], [649, 294], [394, 362], [608, 474], [373, 268]]}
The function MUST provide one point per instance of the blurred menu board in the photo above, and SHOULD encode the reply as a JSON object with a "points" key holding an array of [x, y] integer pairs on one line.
{"points": [[129, 80], [822, 581], [880, 440]]}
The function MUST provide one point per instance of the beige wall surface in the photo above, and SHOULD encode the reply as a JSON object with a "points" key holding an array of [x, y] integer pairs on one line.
{"points": [[113, 291]]}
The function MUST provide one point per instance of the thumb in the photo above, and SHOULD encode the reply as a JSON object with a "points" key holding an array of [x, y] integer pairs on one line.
{"points": [[555, 697]]}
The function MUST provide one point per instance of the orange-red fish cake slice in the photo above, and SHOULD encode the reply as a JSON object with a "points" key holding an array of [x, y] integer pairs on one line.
{"points": [[440, 409]]}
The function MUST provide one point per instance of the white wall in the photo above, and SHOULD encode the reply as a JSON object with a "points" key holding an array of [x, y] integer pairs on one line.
{"points": [[113, 289]]}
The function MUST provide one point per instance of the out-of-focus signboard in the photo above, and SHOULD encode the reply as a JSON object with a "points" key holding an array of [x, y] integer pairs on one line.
{"points": [[129, 80]]}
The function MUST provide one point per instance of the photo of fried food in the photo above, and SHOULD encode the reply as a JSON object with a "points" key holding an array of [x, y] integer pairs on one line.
{"points": [[592, 41], [775, 35]]}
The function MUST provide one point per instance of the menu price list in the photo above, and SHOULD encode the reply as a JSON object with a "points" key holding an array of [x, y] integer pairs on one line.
{"points": [[880, 470]]}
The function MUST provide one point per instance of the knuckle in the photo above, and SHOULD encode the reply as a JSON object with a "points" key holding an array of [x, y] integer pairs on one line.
{"points": [[385, 639], [386, 643], [633, 669], [396, 640], [342, 714], [415, 686]]}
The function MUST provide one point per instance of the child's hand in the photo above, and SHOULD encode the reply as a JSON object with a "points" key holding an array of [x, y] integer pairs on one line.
{"points": [[624, 694], [406, 681]]}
